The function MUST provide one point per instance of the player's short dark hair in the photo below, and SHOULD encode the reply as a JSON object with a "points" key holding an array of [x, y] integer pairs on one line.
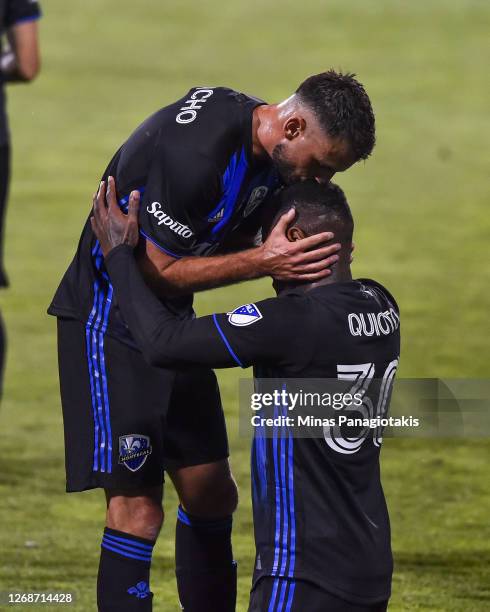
{"points": [[343, 109], [319, 208]]}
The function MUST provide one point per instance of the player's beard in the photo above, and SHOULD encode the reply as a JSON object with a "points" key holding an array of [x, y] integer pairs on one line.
{"points": [[285, 168]]}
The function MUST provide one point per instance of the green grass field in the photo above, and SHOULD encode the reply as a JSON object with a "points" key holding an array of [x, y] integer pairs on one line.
{"points": [[423, 229]]}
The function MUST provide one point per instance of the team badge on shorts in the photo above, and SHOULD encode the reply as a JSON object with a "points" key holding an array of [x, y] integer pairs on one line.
{"points": [[244, 315], [133, 450]]}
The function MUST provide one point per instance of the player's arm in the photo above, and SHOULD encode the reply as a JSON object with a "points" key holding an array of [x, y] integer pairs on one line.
{"points": [[277, 257], [21, 61], [161, 336], [171, 272]]}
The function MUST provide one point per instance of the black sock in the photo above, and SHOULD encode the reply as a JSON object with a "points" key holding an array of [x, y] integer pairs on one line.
{"points": [[123, 583], [205, 569]]}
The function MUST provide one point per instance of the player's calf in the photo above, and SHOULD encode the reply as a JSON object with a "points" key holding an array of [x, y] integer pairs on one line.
{"points": [[205, 568]]}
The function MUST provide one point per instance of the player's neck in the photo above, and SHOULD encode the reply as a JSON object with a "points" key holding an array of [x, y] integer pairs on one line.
{"points": [[341, 273], [260, 120]]}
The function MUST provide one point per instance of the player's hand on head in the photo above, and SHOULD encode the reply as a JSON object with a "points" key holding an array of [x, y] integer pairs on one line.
{"points": [[111, 226], [308, 259]]}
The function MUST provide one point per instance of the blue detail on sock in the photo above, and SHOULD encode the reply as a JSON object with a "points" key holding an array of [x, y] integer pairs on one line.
{"points": [[217, 525], [141, 590], [125, 554], [124, 549], [127, 541], [182, 517], [127, 547]]}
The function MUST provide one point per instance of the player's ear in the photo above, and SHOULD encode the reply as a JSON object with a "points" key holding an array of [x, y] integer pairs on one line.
{"points": [[295, 233], [293, 127]]}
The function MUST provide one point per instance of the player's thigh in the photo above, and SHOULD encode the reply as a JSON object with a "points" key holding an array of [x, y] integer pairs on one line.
{"points": [[113, 411], [196, 445], [290, 595]]}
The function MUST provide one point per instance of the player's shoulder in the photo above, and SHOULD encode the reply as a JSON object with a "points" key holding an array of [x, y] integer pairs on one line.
{"points": [[225, 95], [378, 291], [274, 311], [208, 100], [363, 293], [209, 120], [19, 11]]}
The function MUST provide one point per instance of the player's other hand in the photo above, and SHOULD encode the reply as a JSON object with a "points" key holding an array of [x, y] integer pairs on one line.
{"points": [[111, 226], [308, 259]]}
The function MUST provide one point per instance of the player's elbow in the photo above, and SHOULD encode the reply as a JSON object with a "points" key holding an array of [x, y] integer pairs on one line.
{"points": [[29, 69]]}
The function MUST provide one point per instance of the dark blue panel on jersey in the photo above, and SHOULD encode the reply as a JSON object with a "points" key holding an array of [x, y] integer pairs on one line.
{"points": [[232, 184]]}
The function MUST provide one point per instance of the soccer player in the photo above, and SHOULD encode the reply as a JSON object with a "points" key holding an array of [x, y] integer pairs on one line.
{"points": [[321, 523], [19, 62], [204, 166]]}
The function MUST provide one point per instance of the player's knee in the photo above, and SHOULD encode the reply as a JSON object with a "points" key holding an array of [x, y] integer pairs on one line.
{"points": [[141, 516], [220, 499], [230, 498]]}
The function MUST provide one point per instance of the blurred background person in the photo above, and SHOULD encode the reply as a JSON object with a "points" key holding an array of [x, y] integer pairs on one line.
{"points": [[19, 63]]}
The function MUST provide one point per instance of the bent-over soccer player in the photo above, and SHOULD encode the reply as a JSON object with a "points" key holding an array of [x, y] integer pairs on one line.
{"points": [[204, 166], [321, 524]]}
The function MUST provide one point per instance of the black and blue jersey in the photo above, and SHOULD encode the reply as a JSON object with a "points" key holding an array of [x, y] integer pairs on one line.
{"points": [[192, 162], [319, 510], [12, 13]]}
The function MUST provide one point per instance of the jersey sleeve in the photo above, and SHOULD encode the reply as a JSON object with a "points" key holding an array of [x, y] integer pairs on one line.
{"points": [[257, 333], [163, 338], [20, 11], [182, 187], [250, 334]]}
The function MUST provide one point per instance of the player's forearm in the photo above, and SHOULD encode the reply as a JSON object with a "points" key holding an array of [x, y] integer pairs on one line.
{"points": [[20, 62], [162, 337], [191, 274]]}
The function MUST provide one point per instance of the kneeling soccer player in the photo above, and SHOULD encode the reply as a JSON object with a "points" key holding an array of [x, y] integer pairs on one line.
{"points": [[321, 523]]}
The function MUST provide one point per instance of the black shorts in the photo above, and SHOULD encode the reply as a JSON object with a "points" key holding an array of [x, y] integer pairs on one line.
{"points": [[4, 186], [289, 595], [125, 421]]}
